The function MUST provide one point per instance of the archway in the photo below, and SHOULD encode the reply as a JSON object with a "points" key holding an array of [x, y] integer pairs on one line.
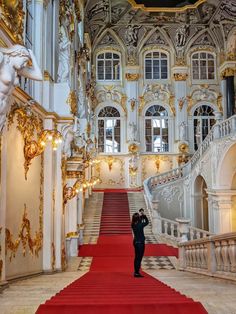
{"points": [[201, 216]]}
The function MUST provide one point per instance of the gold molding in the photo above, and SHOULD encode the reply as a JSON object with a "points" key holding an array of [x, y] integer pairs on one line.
{"points": [[63, 258], [155, 9], [180, 77], [53, 262], [72, 234], [132, 76]]}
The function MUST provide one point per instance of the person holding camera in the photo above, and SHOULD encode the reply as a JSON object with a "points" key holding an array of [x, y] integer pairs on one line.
{"points": [[139, 221]]}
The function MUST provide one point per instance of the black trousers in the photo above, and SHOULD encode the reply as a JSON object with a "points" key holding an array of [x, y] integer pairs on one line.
{"points": [[139, 251]]}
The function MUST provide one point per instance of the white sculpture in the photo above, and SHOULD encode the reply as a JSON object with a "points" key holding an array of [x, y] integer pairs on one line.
{"points": [[181, 35], [182, 131], [14, 62], [67, 149], [133, 131], [64, 56], [198, 134]]}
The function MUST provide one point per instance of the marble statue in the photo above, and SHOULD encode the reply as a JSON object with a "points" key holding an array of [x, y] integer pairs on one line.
{"points": [[198, 134], [67, 149], [181, 36], [131, 35], [182, 131], [133, 131], [14, 62], [64, 56]]}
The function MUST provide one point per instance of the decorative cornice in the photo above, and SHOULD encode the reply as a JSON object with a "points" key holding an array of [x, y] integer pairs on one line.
{"points": [[132, 76]]}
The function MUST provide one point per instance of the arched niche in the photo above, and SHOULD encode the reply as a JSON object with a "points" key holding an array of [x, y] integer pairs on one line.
{"points": [[201, 216]]}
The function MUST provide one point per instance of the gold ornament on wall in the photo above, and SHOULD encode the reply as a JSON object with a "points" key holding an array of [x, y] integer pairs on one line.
{"points": [[228, 72], [111, 181], [172, 104], [133, 148], [25, 238], [31, 126], [180, 76], [72, 102], [63, 258], [110, 160], [132, 76], [12, 19], [53, 256]]}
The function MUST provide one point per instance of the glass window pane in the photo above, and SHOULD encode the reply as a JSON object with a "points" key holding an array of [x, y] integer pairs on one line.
{"points": [[108, 55], [101, 56], [115, 56]]}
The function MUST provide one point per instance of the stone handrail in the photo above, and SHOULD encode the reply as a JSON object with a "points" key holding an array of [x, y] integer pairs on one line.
{"points": [[214, 256], [219, 130], [172, 229]]}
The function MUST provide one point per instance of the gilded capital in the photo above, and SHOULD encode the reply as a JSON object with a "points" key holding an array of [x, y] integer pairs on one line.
{"points": [[228, 72], [132, 76], [180, 76]]}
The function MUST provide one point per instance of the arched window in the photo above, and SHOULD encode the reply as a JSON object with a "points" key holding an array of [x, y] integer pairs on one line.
{"points": [[156, 66], [109, 138], [203, 121], [203, 66], [156, 129], [108, 66]]}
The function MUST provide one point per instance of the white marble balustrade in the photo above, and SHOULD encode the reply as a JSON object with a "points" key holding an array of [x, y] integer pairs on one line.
{"points": [[214, 255]]}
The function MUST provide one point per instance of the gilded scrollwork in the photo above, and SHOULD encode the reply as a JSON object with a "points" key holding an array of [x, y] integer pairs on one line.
{"points": [[31, 128], [12, 14], [72, 102], [121, 179], [132, 76], [25, 238]]}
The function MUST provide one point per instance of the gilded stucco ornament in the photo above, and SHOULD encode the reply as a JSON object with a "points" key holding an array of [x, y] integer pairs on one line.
{"points": [[111, 93], [132, 76], [31, 128], [228, 72], [180, 76], [34, 244], [53, 262], [12, 14], [72, 102], [121, 162]]}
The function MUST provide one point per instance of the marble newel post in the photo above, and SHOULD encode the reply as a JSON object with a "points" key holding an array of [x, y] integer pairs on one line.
{"points": [[48, 237], [180, 92]]}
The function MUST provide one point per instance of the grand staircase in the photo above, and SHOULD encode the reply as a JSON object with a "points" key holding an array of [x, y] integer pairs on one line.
{"points": [[109, 286]]}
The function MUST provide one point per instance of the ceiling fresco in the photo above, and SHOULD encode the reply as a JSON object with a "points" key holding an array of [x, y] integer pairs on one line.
{"points": [[118, 22]]}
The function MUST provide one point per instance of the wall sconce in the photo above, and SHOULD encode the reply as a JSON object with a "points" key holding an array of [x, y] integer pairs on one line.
{"points": [[110, 161], [69, 192], [33, 149]]}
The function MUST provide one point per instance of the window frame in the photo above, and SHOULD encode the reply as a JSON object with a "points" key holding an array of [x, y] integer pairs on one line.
{"points": [[105, 119], [166, 118], [104, 67], [199, 59], [160, 51]]}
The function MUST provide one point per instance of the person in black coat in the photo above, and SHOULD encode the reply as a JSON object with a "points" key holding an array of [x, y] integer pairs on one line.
{"points": [[139, 221]]}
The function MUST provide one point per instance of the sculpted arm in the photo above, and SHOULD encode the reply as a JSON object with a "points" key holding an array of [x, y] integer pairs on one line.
{"points": [[32, 72]]}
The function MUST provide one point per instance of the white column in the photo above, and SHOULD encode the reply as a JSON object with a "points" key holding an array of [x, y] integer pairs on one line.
{"points": [[38, 46], [58, 208], [3, 193], [224, 95], [47, 208]]}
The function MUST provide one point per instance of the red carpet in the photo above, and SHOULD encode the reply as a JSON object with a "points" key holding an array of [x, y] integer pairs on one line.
{"points": [[109, 287]]}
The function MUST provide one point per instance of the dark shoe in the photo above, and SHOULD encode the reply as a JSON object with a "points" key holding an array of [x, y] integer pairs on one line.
{"points": [[138, 275]]}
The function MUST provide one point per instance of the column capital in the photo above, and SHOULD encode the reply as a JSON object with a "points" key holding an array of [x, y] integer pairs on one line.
{"points": [[180, 73], [228, 68]]}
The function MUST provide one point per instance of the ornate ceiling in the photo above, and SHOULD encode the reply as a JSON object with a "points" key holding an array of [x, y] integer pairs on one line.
{"points": [[165, 5], [117, 22]]}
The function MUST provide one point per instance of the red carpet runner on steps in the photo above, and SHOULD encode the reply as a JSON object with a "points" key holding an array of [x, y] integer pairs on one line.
{"points": [[109, 287]]}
